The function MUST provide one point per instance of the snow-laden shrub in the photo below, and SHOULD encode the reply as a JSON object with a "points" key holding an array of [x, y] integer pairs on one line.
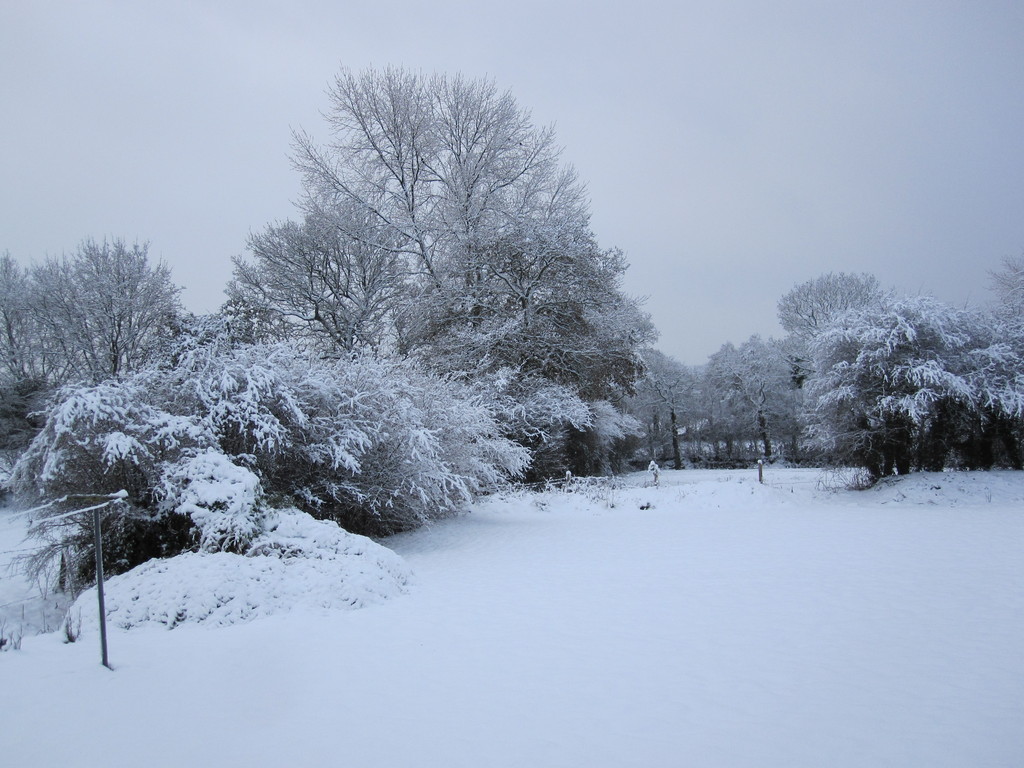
{"points": [[222, 499], [105, 438], [536, 413], [594, 451], [296, 563], [95, 442], [561, 430], [378, 446], [432, 443], [201, 447], [530, 409]]}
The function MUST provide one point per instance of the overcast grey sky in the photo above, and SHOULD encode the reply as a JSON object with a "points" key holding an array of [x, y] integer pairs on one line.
{"points": [[732, 149]]}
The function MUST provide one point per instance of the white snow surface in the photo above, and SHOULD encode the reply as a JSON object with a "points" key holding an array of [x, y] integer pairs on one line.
{"points": [[299, 563], [711, 621]]}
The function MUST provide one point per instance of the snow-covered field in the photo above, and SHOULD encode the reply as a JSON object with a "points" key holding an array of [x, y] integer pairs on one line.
{"points": [[711, 621]]}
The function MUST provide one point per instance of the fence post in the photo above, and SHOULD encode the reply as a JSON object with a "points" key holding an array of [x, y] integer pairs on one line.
{"points": [[99, 582], [760, 471]]}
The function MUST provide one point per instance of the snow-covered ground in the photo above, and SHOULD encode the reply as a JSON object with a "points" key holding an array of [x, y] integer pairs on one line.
{"points": [[711, 621]]}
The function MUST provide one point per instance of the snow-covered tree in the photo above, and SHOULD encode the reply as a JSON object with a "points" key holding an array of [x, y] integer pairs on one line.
{"points": [[102, 312], [916, 383], [665, 396], [441, 161], [1008, 284], [337, 289], [755, 384], [24, 367], [812, 306], [485, 233], [23, 357], [552, 308]]}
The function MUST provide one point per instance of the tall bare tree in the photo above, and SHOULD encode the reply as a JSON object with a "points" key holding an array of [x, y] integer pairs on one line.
{"points": [[341, 291], [809, 307], [22, 354], [104, 311], [442, 162], [1008, 284], [489, 229], [667, 385]]}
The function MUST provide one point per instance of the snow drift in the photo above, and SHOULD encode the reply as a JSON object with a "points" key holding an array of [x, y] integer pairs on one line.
{"points": [[298, 562]]}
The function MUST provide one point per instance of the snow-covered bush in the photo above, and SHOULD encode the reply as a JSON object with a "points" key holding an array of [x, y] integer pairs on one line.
{"points": [[378, 446], [915, 382], [97, 441], [530, 408], [295, 563], [223, 500], [432, 443], [109, 437], [536, 413], [594, 450], [205, 446]]}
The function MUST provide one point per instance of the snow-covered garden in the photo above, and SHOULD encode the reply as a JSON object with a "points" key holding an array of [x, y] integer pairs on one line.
{"points": [[707, 621], [378, 509]]}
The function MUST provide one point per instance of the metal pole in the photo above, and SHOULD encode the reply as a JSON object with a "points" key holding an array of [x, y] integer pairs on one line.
{"points": [[99, 583]]}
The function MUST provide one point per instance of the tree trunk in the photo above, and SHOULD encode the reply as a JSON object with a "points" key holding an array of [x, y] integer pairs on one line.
{"points": [[762, 426], [676, 457], [1004, 428]]}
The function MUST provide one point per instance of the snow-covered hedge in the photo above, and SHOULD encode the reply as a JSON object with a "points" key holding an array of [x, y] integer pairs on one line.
{"points": [[203, 448]]}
